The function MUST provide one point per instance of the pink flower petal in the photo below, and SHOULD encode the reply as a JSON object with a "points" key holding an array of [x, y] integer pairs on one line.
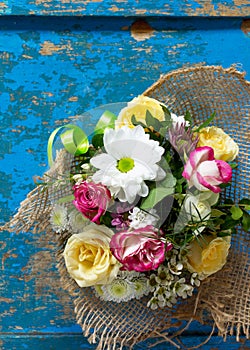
{"points": [[203, 181], [187, 172], [225, 171], [201, 154]]}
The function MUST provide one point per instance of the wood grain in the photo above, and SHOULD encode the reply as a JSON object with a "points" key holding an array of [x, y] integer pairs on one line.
{"points": [[52, 69], [231, 8]]}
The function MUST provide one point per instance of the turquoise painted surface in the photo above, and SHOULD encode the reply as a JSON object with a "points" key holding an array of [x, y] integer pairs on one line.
{"points": [[52, 69], [224, 8]]}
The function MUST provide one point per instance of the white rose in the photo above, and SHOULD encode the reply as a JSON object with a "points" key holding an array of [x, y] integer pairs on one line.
{"points": [[197, 210]]}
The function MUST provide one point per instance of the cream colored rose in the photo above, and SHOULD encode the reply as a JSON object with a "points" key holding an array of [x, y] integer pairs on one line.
{"points": [[88, 258], [138, 108], [225, 148], [208, 254]]}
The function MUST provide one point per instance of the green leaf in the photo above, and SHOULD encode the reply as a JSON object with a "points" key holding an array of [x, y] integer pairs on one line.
{"points": [[229, 201], [188, 117], [245, 221], [206, 123], [168, 181], [155, 196], [152, 121], [135, 122], [217, 213], [236, 212], [166, 112], [97, 141], [224, 233], [245, 201], [233, 165], [66, 199], [164, 188]]}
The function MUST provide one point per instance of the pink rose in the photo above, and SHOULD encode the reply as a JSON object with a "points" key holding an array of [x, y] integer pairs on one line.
{"points": [[91, 200], [205, 172], [140, 249]]}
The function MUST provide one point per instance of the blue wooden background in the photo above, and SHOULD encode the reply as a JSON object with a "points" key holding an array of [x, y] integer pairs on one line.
{"points": [[57, 60]]}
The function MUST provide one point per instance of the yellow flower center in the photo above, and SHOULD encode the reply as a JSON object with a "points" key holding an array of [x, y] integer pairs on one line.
{"points": [[125, 164]]}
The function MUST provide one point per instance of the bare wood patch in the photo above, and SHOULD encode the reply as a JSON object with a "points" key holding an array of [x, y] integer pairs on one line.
{"points": [[141, 30], [48, 48], [245, 27]]}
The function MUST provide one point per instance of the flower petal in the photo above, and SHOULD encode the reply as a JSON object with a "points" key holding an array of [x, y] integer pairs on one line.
{"points": [[225, 171], [201, 154], [102, 161]]}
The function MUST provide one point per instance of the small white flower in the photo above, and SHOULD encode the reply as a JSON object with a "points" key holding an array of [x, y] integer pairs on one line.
{"points": [[131, 158], [152, 282], [153, 303], [179, 120], [140, 218], [85, 166], [182, 289], [77, 221], [194, 280], [78, 178], [176, 269], [163, 276], [58, 218]]}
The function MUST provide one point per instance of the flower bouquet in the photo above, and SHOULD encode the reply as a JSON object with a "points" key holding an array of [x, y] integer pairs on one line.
{"points": [[146, 208]]}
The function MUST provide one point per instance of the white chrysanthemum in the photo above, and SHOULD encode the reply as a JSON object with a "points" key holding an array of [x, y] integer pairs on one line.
{"points": [[98, 291], [58, 218], [140, 286], [126, 286], [140, 218], [77, 221], [119, 290], [130, 159]]}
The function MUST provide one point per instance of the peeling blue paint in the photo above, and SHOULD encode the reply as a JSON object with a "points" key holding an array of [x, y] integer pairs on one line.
{"points": [[52, 69], [127, 8]]}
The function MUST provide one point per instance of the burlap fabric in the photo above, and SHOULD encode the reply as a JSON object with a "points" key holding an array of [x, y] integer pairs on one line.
{"points": [[223, 300]]}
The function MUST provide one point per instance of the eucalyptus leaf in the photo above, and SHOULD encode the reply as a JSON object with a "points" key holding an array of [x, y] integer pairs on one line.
{"points": [[168, 181], [155, 196]]}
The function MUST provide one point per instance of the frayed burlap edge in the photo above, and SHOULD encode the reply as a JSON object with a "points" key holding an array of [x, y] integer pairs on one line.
{"points": [[223, 299]]}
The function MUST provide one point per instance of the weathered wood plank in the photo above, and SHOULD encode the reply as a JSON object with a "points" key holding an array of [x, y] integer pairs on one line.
{"points": [[231, 8], [75, 342], [52, 69]]}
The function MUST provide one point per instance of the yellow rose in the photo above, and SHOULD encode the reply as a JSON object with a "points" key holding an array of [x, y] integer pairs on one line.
{"points": [[208, 254], [225, 148], [138, 107], [88, 258]]}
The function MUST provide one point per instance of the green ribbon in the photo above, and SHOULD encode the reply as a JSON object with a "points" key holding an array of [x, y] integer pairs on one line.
{"points": [[74, 140], [107, 120]]}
